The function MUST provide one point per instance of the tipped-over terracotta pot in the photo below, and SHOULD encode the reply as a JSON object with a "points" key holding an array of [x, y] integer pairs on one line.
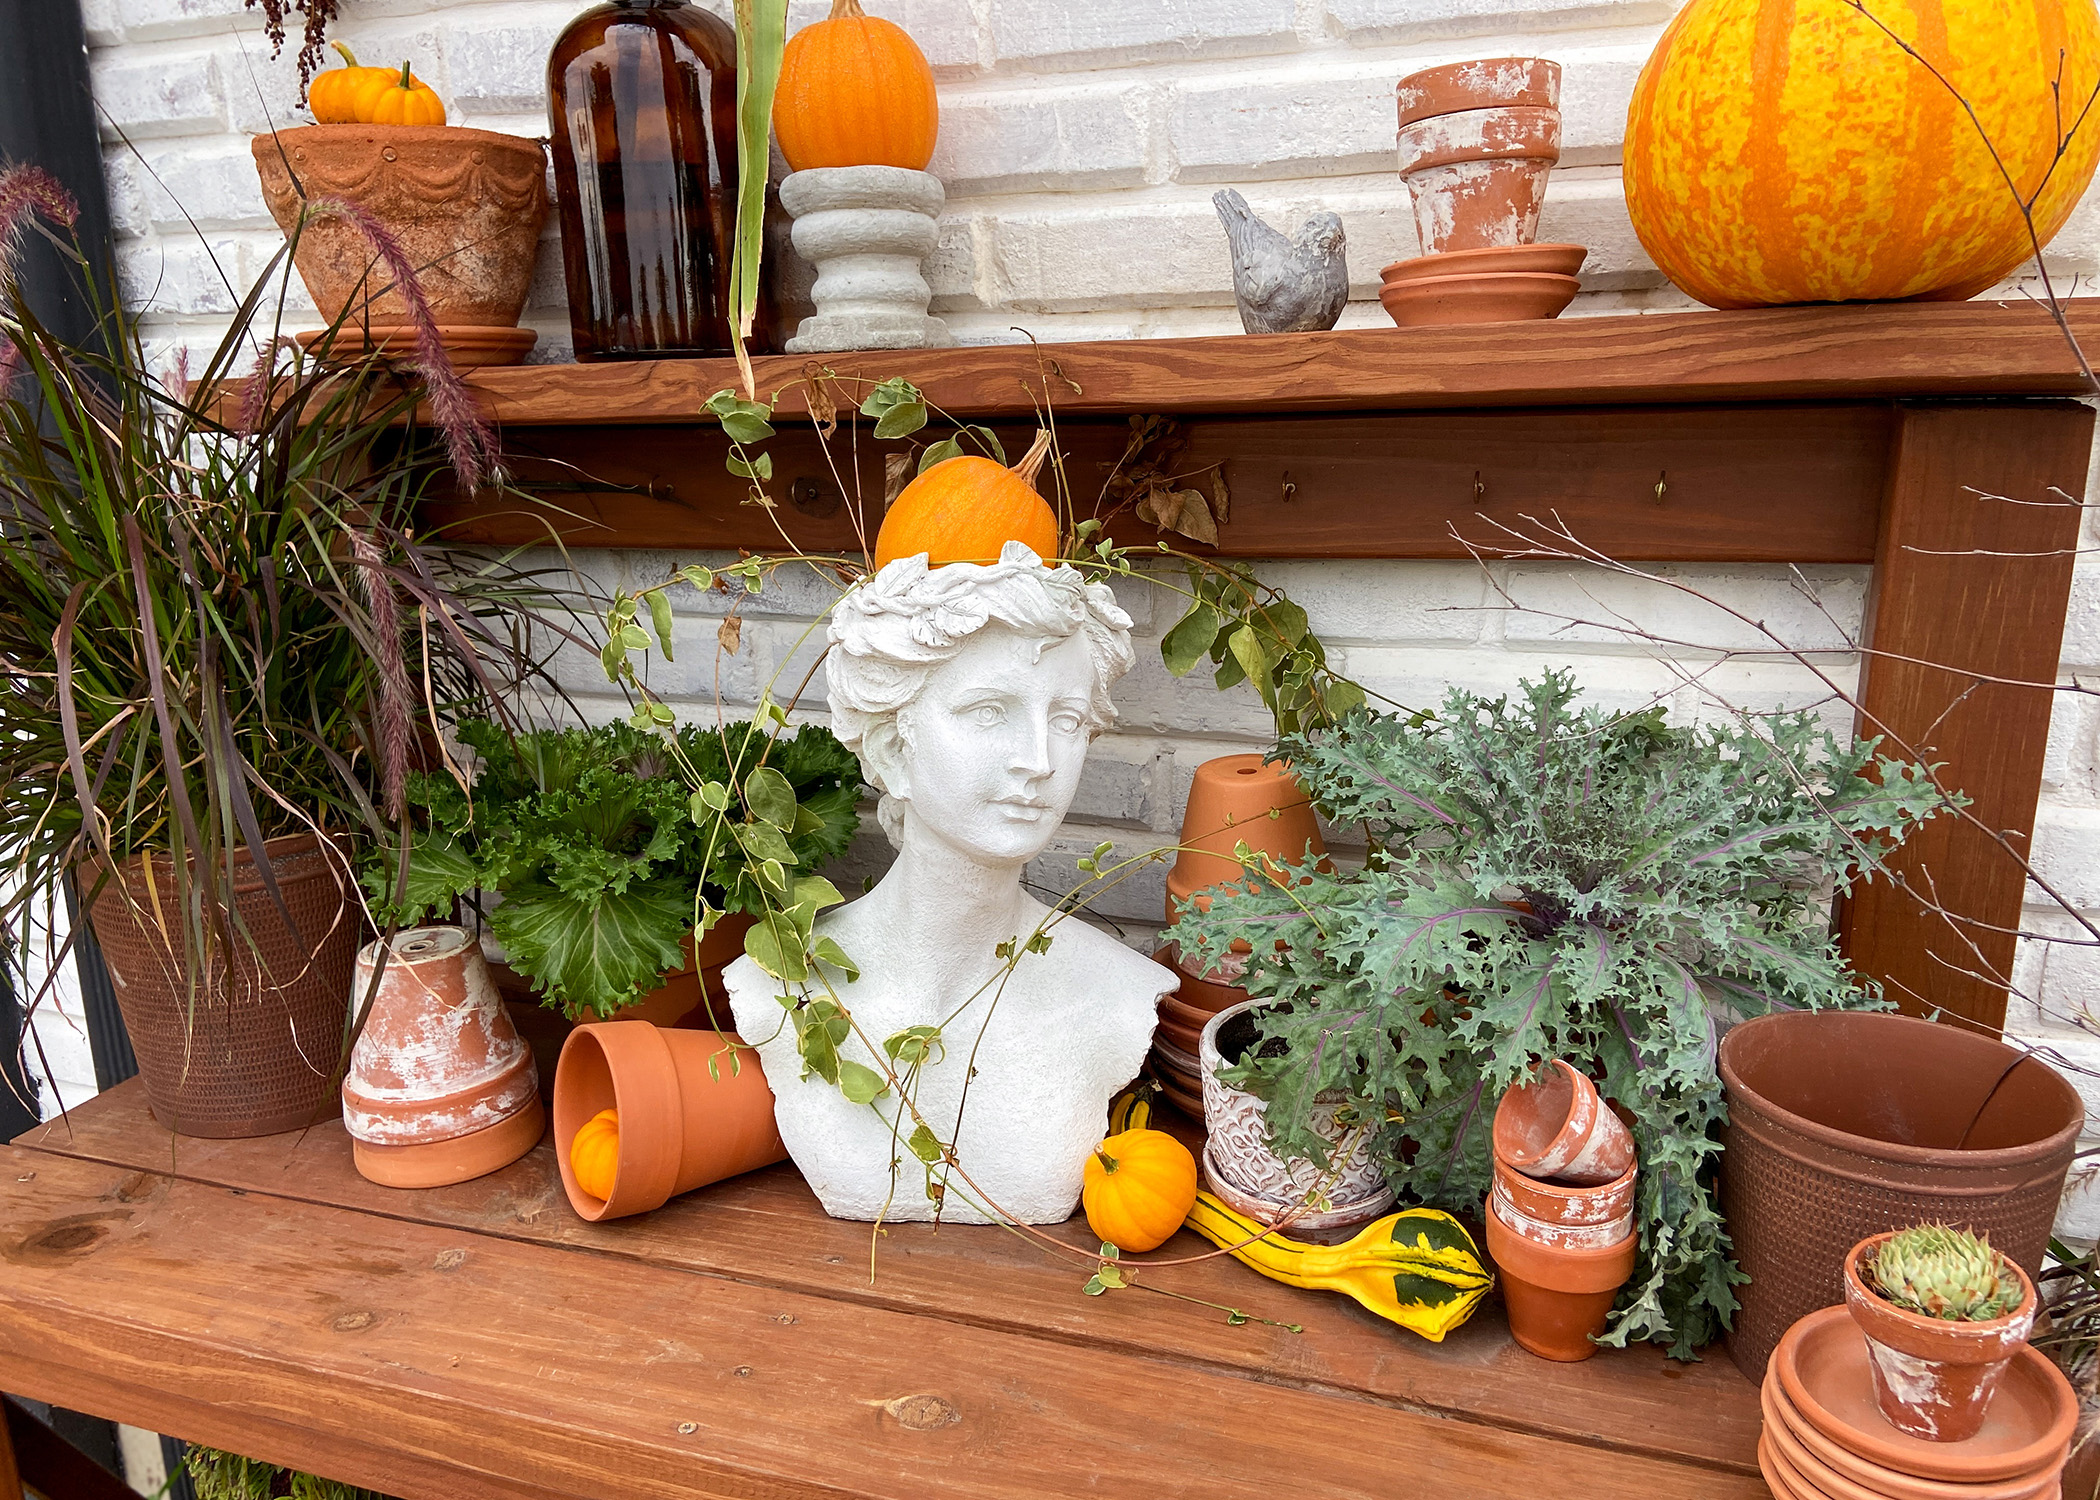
{"points": [[1559, 1298], [1557, 1128], [1239, 799], [440, 1088], [693, 995], [466, 207], [1933, 1377], [694, 1108]]}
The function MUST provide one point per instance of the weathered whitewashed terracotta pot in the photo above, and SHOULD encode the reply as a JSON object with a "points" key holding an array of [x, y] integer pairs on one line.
{"points": [[1256, 1181], [1933, 1377], [441, 1088]]}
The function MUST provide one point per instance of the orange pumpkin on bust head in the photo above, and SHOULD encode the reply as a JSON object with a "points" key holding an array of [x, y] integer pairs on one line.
{"points": [[1784, 151], [855, 91], [965, 509]]}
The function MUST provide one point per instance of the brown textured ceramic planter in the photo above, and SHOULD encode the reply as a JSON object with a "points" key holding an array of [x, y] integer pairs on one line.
{"points": [[466, 205], [1844, 1124], [1933, 1377], [692, 996], [694, 1108], [440, 1088], [255, 1049], [1556, 1128], [1559, 1297], [1240, 799]]}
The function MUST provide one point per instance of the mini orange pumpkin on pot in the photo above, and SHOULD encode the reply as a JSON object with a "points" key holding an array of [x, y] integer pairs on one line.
{"points": [[855, 91], [1140, 1185], [965, 509], [333, 95], [403, 99]]}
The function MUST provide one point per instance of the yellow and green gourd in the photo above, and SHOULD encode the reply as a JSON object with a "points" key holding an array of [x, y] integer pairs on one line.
{"points": [[1418, 1268]]}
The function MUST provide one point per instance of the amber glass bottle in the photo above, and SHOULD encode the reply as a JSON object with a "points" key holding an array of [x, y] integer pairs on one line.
{"points": [[642, 98]]}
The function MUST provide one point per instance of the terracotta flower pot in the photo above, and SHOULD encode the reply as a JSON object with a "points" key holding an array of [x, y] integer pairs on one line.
{"points": [[1821, 1386], [255, 1051], [1559, 1297], [1485, 297], [1843, 1124], [1479, 83], [1557, 1128], [1478, 179], [440, 1088], [1551, 1215], [466, 205], [1255, 1180], [1237, 799], [693, 996], [683, 1124], [1549, 260], [1933, 1377]]}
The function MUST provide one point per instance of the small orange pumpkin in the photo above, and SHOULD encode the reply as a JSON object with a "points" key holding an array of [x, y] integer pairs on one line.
{"points": [[594, 1153], [855, 91], [403, 99], [1140, 1185], [965, 509], [333, 95]]}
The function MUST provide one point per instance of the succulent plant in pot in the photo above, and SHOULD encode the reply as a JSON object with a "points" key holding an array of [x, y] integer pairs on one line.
{"points": [[1546, 880], [1943, 1314]]}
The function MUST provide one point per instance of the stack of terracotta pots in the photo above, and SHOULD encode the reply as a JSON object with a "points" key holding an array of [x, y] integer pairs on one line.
{"points": [[1234, 800], [1477, 142], [1871, 1399], [440, 1087], [1560, 1215]]}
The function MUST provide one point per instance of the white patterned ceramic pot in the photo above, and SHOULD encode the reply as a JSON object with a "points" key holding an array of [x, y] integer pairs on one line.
{"points": [[1256, 1181]]}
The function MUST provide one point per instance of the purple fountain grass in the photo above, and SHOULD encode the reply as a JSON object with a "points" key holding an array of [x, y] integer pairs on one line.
{"points": [[26, 190], [470, 441], [396, 697], [255, 391]]}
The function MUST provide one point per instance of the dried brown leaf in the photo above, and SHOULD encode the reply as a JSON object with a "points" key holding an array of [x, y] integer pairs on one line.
{"points": [[896, 474], [1220, 497], [1192, 517], [731, 633]]}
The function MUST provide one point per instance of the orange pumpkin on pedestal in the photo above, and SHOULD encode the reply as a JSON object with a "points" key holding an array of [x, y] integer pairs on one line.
{"points": [[855, 91], [1782, 151], [965, 509]]}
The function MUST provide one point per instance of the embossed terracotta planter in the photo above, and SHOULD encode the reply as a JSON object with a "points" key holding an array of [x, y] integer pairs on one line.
{"points": [[694, 1108], [1556, 1127], [1933, 1378], [440, 1088], [1250, 1177], [466, 205]]}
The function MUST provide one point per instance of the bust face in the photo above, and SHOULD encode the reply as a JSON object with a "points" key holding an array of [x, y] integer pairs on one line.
{"points": [[995, 741]]}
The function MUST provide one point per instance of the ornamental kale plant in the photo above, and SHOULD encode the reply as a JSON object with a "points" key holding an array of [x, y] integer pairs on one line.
{"points": [[605, 856], [1547, 882]]}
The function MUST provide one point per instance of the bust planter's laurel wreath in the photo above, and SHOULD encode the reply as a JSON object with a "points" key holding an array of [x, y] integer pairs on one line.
{"points": [[1249, 631]]}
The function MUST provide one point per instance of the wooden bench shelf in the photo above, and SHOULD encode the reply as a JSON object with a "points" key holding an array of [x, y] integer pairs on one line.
{"points": [[482, 1341], [1843, 434]]}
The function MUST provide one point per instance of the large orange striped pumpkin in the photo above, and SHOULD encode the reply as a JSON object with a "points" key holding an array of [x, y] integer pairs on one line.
{"points": [[1790, 151]]}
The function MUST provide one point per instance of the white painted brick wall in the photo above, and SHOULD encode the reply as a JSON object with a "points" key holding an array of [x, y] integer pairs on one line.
{"points": [[1081, 141]]}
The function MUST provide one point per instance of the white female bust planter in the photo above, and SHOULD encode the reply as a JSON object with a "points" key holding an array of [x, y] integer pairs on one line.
{"points": [[970, 694]]}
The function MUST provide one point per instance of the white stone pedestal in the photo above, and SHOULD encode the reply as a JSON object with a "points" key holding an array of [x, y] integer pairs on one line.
{"points": [[866, 230]]}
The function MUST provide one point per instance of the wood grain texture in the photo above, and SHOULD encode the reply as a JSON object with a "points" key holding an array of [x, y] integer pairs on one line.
{"points": [[1967, 587], [766, 1229], [380, 1349], [1846, 352], [1789, 483]]}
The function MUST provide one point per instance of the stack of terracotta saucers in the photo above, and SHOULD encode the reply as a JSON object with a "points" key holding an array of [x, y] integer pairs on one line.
{"points": [[1826, 1439], [1500, 285], [1182, 1017]]}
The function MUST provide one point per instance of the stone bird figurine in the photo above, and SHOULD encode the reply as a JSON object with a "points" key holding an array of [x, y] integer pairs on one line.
{"points": [[1284, 285]]}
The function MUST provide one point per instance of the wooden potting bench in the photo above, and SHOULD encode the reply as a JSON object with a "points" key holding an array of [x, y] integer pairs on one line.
{"points": [[481, 1341]]}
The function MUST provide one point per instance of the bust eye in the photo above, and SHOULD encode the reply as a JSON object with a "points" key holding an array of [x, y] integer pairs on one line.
{"points": [[986, 715], [1066, 722]]}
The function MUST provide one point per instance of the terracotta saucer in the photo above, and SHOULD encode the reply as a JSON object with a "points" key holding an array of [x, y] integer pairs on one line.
{"points": [[1846, 1476], [1489, 297], [1821, 1365], [1557, 260], [469, 347], [1784, 1483]]}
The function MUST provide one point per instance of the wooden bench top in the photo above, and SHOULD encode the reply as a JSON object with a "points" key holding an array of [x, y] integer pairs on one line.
{"points": [[482, 1340]]}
